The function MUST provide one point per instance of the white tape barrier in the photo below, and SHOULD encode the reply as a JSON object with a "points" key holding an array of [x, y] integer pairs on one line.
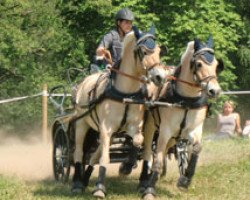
{"points": [[20, 98], [236, 92], [45, 93]]}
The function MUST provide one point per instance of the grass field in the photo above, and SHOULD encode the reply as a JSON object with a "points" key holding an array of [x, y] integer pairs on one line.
{"points": [[223, 172]]}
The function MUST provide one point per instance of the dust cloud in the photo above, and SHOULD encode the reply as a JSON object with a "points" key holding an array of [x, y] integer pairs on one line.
{"points": [[28, 158]]}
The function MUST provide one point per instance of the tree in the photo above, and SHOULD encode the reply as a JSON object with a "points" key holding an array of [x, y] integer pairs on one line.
{"points": [[33, 46], [40, 39]]}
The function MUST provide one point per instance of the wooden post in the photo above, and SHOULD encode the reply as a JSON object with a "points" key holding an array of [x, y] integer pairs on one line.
{"points": [[45, 113]]}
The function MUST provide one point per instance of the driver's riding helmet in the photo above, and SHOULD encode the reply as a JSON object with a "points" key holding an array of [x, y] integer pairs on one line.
{"points": [[124, 13]]}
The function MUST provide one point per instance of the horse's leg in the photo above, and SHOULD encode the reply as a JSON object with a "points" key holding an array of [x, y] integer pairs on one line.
{"points": [[81, 131], [185, 179], [149, 133], [127, 166], [163, 139], [93, 160], [170, 149], [164, 169], [134, 131], [100, 189]]}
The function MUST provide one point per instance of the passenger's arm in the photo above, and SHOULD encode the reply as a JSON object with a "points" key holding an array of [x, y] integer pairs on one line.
{"points": [[238, 125]]}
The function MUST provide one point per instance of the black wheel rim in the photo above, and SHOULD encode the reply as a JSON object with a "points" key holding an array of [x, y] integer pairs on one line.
{"points": [[61, 163]]}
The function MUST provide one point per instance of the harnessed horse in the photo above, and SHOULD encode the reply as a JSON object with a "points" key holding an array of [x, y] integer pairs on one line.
{"points": [[99, 102], [194, 82]]}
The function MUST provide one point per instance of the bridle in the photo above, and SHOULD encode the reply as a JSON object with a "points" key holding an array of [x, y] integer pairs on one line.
{"points": [[198, 82], [203, 82]]}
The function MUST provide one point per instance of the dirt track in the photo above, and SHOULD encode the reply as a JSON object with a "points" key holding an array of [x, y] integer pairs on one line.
{"points": [[27, 159], [30, 159]]}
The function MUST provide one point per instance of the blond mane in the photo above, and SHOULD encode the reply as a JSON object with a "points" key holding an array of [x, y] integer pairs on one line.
{"points": [[188, 53], [129, 38]]}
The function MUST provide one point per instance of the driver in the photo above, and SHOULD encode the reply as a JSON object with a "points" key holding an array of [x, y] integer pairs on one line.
{"points": [[110, 47]]}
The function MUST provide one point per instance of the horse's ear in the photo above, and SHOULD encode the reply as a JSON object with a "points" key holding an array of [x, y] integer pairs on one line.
{"points": [[152, 29], [210, 42], [164, 50], [137, 32], [220, 66], [197, 44]]}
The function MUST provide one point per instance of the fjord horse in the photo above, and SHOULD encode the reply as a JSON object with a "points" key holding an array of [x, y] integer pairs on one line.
{"points": [[105, 112], [194, 82]]}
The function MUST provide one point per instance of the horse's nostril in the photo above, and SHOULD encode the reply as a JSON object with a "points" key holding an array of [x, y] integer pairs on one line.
{"points": [[213, 93], [158, 78]]}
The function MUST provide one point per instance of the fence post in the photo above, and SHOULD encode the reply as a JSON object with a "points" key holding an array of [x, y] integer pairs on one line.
{"points": [[45, 113]]}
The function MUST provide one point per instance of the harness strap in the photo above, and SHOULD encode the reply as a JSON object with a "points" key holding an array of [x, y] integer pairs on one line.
{"points": [[124, 119], [97, 121], [182, 125]]}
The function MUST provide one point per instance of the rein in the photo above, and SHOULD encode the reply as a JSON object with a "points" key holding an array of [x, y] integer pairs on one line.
{"points": [[142, 80], [182, 81], [127, 75]]}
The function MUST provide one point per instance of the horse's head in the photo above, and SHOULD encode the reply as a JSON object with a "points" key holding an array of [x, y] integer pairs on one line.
{"points": [[146, 55], [200, 63]]}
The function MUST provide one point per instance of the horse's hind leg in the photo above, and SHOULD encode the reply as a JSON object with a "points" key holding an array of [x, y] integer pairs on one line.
{"points": [[135, 132], [131, 162], [81, 131]]}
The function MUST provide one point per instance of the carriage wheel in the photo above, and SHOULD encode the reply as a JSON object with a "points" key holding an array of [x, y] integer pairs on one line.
{"points": [[61, 155]]}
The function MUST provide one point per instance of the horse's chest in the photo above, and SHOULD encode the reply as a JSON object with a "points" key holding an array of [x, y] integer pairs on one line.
{"points": [[183, 120], [118, 113]]}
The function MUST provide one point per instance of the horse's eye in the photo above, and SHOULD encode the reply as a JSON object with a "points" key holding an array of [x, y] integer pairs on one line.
{"points": [[198, 65]]}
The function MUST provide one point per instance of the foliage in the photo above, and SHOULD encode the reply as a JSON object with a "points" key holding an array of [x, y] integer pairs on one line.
{"points": [[40, 39]]}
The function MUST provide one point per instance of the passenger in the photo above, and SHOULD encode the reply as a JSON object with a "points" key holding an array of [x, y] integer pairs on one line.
{"points": [[228, 122]]}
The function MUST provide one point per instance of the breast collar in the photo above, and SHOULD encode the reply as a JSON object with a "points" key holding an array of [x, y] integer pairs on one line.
{"points": [[172, 96]]}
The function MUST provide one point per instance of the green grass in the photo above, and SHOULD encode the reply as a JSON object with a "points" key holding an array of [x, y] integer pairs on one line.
{"points": [[223, 173]]}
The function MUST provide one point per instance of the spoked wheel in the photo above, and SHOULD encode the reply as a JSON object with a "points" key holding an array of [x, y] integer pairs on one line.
{"points": [[61, 155]]}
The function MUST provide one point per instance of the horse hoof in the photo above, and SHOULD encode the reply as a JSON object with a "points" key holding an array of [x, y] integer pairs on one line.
{"points": [[149, 197], [77, 187], [125, 169], [142, 186], [141, 189], [183, 183], [149, 193], [99, 194]]}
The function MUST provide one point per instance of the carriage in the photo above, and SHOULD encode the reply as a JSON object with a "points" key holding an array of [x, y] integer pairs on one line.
{"points": [[196, 79], [63, 138]]}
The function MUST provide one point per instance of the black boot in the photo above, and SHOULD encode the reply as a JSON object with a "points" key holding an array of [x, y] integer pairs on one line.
{"points": [[143, 180], [100, 190], [87, 175], [150, 190], [185, 181], [77, 186]]}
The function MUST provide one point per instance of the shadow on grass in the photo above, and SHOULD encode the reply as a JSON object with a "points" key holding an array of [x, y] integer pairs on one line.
{"points": [[117, 188]]}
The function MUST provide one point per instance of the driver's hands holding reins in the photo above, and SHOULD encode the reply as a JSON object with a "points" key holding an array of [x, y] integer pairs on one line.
{"points": [[105, 53]]}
